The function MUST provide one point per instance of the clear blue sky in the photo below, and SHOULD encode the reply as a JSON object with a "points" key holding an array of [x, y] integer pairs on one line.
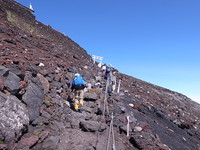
{"points": [[157, 41]]}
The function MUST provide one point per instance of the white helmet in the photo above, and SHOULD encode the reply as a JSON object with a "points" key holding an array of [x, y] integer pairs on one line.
{"points": [[77, 74]]}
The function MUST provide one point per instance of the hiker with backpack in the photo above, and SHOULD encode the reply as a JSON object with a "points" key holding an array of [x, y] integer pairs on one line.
{"points": [[103, 69], [107, 71], [77, 87]]}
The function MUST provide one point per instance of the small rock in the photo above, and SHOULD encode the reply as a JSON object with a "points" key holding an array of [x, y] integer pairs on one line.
{"points": [[131, 105], [184, 139], [41, 65], [51, 142], [43, 135], [3, 146], [29, 141], [46, 115], [137, 129]]}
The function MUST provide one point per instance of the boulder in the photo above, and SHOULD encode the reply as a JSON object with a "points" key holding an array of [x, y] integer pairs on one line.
{"points": [[15, 69], [44, 82], [51, 142], [143, 138], [33, 98], [91, 96], [14, 117], [4, 71], [40, 120], [29, 141], [92, 126], [12, 83]]}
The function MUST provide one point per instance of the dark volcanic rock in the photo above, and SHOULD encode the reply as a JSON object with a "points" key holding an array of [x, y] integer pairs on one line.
{"points": [[29, 141], [44, 82], [33, 99], [12, 83], [92, 126], [91, 96], [4, 71], [51, 142]]}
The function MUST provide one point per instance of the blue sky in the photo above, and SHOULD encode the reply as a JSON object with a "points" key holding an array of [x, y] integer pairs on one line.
{"points": [[157, 41]]}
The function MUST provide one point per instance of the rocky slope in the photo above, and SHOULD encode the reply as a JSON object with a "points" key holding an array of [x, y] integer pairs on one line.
{"points": [[37, 64]]}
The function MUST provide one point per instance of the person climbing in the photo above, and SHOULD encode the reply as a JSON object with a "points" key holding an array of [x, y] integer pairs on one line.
{"points": [[113, 81], [107, 72], [103, 69], [78, 85]]}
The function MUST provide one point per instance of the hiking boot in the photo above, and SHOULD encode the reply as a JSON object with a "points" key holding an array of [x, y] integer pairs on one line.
{"points": [[76, 107], [81, 102]]}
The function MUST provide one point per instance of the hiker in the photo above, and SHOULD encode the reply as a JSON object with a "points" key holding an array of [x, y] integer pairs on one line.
{"points": [[107, 72], [103, 69], [77, 87], [113, 81]]}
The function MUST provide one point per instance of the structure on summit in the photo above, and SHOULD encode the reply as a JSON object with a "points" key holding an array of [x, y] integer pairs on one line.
{"points": [[31, 7], [97, 58]]}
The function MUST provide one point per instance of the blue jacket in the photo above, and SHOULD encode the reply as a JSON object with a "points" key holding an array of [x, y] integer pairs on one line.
{"points": [[78, 83]]}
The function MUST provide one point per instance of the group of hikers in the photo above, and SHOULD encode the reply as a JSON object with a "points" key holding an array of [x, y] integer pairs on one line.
{"points": [[79, 84]]}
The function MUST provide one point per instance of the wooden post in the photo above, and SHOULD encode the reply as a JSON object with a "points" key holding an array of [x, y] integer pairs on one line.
{"points": [[128, 126], [94, 58], [118, 86]]}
